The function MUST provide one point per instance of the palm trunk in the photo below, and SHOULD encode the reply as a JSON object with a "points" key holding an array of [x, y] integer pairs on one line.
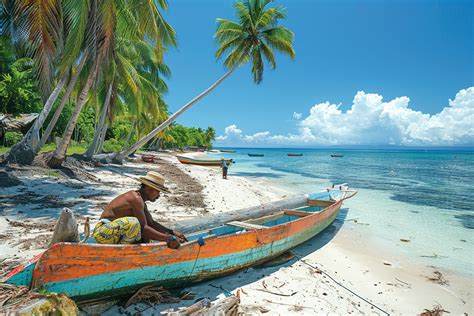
{"points": [[24, 152], [129, 136], [60, 153], [171, 119], [60, 108], [98, 132], [100, 147]]}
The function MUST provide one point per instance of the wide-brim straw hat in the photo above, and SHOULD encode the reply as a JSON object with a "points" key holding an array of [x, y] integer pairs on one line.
{"points": [[154, 180]]}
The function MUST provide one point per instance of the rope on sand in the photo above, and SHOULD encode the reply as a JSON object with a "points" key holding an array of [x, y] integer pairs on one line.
{"points": [[341, 285]]}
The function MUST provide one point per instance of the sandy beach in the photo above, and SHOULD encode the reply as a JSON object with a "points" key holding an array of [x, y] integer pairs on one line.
{"points": [[341, 271]]}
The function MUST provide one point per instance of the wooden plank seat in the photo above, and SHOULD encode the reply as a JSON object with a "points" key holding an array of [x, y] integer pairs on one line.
{"points": [[245, 225], [296, 213]]}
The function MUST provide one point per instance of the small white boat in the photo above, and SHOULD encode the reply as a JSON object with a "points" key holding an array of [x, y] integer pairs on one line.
{"points": [[214, 151]]}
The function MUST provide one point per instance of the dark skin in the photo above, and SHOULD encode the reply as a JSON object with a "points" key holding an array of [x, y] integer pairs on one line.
{"points": [[132, 203]]}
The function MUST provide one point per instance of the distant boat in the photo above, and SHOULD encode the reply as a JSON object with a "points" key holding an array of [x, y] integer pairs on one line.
{"points": [[255, 155], [337, 155], [227, 151], [202, 162], [214, 151], [295, 155]]}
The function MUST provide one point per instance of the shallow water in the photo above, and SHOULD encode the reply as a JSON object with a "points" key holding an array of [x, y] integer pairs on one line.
{"points": [[424, 196]]}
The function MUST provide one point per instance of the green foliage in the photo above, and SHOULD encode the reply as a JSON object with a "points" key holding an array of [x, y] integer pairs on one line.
{"points": [[18, 93], [254, 36], [11, 138], [85, 126], [112, 145], [179, 136]]}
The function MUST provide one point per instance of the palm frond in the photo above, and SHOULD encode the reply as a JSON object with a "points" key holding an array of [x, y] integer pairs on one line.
{"points": [[268, 53], [42, 25]]}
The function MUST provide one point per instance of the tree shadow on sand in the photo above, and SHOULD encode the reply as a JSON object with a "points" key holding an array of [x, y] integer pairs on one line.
{"points": [[212, 288], [41, 197]]}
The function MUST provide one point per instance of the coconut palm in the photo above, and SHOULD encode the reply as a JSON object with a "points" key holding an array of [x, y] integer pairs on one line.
{"points": [[49, 32], [111, 20], [251, 39]]}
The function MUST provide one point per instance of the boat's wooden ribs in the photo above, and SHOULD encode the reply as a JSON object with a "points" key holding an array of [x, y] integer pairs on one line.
{"points": [[245, 225], [296, 213]]}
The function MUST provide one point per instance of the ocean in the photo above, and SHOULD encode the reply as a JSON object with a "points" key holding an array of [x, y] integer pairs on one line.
{"points": [[423, 197]]}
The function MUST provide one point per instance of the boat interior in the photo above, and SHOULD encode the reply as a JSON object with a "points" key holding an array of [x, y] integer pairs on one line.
{"points": [[316, 203]]}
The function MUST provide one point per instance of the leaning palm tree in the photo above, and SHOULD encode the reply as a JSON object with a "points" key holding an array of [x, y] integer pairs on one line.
{"points": [[252, 39]]}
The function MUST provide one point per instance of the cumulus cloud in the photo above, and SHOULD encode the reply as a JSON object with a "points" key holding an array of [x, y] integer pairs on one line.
{"points": [[371, 121]]}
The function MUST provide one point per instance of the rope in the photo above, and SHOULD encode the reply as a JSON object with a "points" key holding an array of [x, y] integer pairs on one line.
{"points": [[341, 285]]}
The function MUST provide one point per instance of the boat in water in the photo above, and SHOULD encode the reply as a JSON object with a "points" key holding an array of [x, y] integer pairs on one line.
{"points": [[255, 155], [227, 151], [337, 155], [214, 151], [87, 271], [295, 155], [202, 162]]}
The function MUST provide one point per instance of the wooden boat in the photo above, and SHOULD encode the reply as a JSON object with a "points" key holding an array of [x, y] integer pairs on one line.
{"points": [[227, 151], [337, 155], [255, 155], [203, 162], [295, 155], [87, 271]]}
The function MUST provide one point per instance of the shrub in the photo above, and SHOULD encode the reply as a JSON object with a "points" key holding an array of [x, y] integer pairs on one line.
{"points": [[11, 138], [112, 145]]}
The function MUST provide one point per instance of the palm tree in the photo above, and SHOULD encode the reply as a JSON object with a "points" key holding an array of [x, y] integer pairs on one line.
{"points": [[42, 25], [111, 20], [251, 39]]}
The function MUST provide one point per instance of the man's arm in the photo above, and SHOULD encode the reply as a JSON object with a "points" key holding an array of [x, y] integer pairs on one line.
{"points": [[138, 207], [162, 228]]}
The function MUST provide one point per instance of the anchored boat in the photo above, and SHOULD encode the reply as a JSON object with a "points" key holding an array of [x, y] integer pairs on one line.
{"points": [[86, 271], [203, 162]]}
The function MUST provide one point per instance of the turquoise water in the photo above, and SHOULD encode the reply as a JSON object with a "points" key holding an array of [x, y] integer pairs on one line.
{"points": [[424, 196]]}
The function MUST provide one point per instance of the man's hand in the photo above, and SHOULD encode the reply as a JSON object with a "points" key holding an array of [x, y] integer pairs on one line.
{"points": [[180, 236], [173, 243]]}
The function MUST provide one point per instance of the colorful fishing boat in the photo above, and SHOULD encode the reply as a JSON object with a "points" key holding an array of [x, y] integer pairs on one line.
{"points": [[87, 271], [255, 155], [202, 162], [295, 155]]}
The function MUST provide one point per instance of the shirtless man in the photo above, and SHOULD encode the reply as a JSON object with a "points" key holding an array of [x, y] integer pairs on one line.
{"points": [[126, 219]]}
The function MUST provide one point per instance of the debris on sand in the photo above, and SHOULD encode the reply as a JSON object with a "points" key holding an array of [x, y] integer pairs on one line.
{"points": [[436, 311], [438, 278]]}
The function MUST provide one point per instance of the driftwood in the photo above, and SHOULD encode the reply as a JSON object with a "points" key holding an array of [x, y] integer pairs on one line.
{"points": [[206, 222], [66, 229], [227, 306]]}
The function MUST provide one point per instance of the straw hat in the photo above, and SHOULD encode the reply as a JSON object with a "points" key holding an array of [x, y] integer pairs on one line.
{"points": [[154, 180]]}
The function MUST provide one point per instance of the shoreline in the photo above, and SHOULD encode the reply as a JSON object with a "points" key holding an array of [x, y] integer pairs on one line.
{"points": [[341, 251]]}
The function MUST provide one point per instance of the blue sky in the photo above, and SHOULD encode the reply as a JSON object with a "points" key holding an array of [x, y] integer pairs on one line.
{"points": [[422, 50]]}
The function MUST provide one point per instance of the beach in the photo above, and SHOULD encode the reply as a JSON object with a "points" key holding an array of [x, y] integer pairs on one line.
{"points": [[344, 270]]}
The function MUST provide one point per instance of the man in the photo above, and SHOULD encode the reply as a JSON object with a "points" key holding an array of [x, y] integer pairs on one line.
{"points": [[126, 219], [225, 168]]}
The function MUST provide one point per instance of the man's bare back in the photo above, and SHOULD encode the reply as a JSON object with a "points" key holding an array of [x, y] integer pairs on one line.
{"points": [[132, 204]]}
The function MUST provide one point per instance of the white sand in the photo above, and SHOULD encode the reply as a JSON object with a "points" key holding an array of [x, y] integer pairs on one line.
{"points": [[393, 284]]}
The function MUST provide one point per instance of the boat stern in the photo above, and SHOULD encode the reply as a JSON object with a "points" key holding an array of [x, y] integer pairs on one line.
{"points": [[23, 274]]}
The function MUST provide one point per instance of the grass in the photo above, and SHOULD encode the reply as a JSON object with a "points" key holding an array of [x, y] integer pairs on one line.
{"points": [[74, 149]]}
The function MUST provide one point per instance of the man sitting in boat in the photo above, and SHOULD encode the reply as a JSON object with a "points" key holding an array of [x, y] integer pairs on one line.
{"points": [[126, 219]]}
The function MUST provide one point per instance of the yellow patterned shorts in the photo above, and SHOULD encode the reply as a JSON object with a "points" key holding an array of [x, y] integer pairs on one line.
{"points": [[123, 230]]}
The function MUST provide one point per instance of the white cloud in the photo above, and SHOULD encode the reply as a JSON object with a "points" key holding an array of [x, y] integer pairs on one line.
{"points": [[297, 116], [371, 121]]}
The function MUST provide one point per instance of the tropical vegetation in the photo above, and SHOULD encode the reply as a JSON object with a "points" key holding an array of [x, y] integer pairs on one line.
{"points": [[96, 73]]}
